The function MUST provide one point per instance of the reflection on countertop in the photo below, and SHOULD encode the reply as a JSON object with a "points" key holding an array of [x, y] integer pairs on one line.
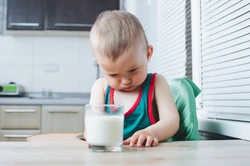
{"points": [[38, 98]]}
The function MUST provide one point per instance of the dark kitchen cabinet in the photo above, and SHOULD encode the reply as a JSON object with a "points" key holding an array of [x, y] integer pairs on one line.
{"points": [[25, 14], [55, 14], [75, 14]]}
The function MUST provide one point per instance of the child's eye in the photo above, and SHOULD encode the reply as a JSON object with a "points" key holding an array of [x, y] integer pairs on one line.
{"points": [[112, 75], [133, 70]]}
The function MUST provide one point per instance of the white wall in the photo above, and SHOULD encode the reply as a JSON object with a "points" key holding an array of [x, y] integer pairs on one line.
{"points": [[59, 63]]}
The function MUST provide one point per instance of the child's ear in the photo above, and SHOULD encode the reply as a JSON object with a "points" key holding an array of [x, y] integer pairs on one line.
{"points": [[150, 51]]}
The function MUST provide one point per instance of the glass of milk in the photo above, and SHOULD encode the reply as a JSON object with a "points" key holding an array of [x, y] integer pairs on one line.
{"points": [[104, 127]]}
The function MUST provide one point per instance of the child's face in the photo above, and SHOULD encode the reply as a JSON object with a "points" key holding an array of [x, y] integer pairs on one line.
{"points": [[129, 71]]}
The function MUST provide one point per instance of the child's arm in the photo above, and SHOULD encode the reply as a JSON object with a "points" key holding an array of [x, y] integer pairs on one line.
{"points": [[168, 123], [96, 96], [98, 92]]}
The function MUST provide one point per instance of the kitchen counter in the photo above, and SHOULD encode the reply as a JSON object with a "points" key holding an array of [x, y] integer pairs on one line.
{"points": [[56, 99], [193, 153]]}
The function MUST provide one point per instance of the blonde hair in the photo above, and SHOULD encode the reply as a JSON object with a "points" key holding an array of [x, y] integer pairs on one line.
{"points": [[115, 31]]}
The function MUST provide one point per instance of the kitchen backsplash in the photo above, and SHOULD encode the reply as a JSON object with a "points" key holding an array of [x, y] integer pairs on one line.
{"points": [[40, 60], [58, 63]]}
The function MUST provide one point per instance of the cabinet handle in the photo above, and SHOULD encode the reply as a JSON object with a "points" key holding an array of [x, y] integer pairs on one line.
{"points": [[61, 111], [15, 136], [72, 25], [19, 111], [25, 24]]}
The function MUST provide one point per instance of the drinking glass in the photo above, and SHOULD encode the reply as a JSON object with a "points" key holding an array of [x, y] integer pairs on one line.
{"points": [[104, 127]]}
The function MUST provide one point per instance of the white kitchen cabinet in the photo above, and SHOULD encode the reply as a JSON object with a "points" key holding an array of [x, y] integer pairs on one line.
{"points": [[20, 117], [62, 118], [19, 121]]}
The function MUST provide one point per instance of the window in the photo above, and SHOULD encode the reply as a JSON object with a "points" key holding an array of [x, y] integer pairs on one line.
{"points": [[219, 56], [225, 59]]}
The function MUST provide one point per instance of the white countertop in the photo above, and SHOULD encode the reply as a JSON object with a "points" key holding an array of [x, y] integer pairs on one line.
{"points": [[189, 153], [28, 101], [69, 99]]}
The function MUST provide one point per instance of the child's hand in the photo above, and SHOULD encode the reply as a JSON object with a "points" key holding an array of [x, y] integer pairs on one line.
{"points": [[141, 138]]}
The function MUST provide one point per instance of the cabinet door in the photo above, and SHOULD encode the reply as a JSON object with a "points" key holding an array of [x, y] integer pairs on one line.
{"points": [[95, 7], [20, 117], [62, 119], [75, 14], [16, 135], [25, 14]]}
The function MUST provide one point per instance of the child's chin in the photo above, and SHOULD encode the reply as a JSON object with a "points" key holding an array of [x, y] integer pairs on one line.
{"points": [[125, 90], [129, 89]]}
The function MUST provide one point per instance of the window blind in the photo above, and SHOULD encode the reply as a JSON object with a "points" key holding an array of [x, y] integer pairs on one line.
{"points": [[225, 59], [148, 15], [167, 25]]}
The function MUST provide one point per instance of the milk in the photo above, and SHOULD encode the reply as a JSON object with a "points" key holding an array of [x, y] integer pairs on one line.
{"points": [[104, 130]]}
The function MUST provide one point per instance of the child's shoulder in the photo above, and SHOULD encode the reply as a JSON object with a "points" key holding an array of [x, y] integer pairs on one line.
{"points": [[161, 81], [101, 83], [160, 78]]}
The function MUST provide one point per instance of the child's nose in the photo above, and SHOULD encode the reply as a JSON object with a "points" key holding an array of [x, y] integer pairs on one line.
{"points": [[126, 80]]}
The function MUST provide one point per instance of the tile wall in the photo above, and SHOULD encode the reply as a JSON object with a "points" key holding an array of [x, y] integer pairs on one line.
{"points": [[39, 60], [58, 63]]}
